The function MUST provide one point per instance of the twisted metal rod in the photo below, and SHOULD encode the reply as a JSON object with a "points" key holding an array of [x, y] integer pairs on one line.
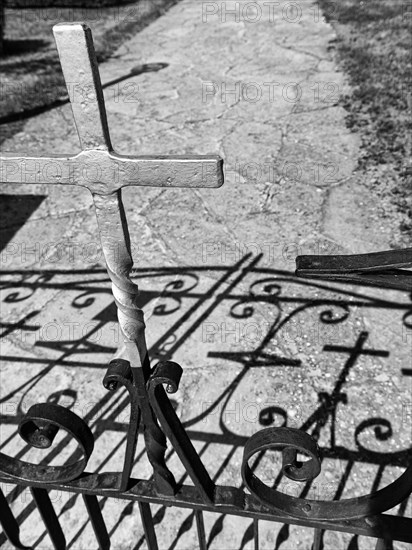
{"points": [[115, 241]]}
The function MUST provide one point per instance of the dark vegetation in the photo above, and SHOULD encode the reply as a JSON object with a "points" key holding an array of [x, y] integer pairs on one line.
{"points": [[374, 47]]}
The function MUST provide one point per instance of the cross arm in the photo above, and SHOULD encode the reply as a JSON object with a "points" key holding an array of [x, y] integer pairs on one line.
{"points": [[98, 167], [105, 172]]}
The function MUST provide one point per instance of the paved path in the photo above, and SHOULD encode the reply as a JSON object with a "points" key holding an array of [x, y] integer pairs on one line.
{"points": [[264, 96]]}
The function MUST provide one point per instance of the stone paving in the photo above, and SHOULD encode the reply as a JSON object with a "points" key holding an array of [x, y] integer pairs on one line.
{"points": [[259, 87]]}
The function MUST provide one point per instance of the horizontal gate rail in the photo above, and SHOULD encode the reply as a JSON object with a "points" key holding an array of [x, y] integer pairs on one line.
{"points": [[230, 501]]}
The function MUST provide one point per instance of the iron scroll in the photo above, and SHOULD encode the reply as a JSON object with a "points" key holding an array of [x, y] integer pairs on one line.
{"points": [[39, 428]]}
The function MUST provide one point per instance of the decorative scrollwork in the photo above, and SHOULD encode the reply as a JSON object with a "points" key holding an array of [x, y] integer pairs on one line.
{"points": [[244, 313], [180, 285], [328, 316], [25, 282], [38, 428], [290, 441], [119, 372], [87, 300], [163, 309], [382, 430], [17, 296], [268, 287], [169, 373], [268, 414], [407, 319], [266, 290]]}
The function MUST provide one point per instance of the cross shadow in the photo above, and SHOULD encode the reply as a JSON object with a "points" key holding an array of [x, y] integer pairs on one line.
{"points": [[19, 47], [53, 104], [185, 304]]}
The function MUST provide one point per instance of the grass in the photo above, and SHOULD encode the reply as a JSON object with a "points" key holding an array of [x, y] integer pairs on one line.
{"points": [[374, 47], [30, 68]]}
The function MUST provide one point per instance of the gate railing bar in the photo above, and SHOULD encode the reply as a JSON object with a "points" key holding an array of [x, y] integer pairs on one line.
{"points": [[49, 517], [97, 521], [9, 523], [318, 539], [231, 501], [200, 526], [256, 533], [148, 525]]}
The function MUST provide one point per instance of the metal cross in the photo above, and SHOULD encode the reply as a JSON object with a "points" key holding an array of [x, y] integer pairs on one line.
{"points": [[98, 168]]}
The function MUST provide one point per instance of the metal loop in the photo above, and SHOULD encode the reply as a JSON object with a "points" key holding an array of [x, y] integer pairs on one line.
{"points": [[38, 428], [169, 373], [290, 440]]}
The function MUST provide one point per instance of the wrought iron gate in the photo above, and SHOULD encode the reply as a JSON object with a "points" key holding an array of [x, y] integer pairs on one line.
{"points": [[151, 411]]}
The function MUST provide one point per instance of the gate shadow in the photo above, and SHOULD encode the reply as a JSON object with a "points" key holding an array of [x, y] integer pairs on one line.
{"points": [[305, 332]]}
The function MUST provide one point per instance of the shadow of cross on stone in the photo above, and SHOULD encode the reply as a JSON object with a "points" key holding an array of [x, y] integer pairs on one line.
{"points": [[104, 172]]}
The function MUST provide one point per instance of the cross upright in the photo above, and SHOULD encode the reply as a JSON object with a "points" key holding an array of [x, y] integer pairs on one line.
{"points": [[104, 172]]}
